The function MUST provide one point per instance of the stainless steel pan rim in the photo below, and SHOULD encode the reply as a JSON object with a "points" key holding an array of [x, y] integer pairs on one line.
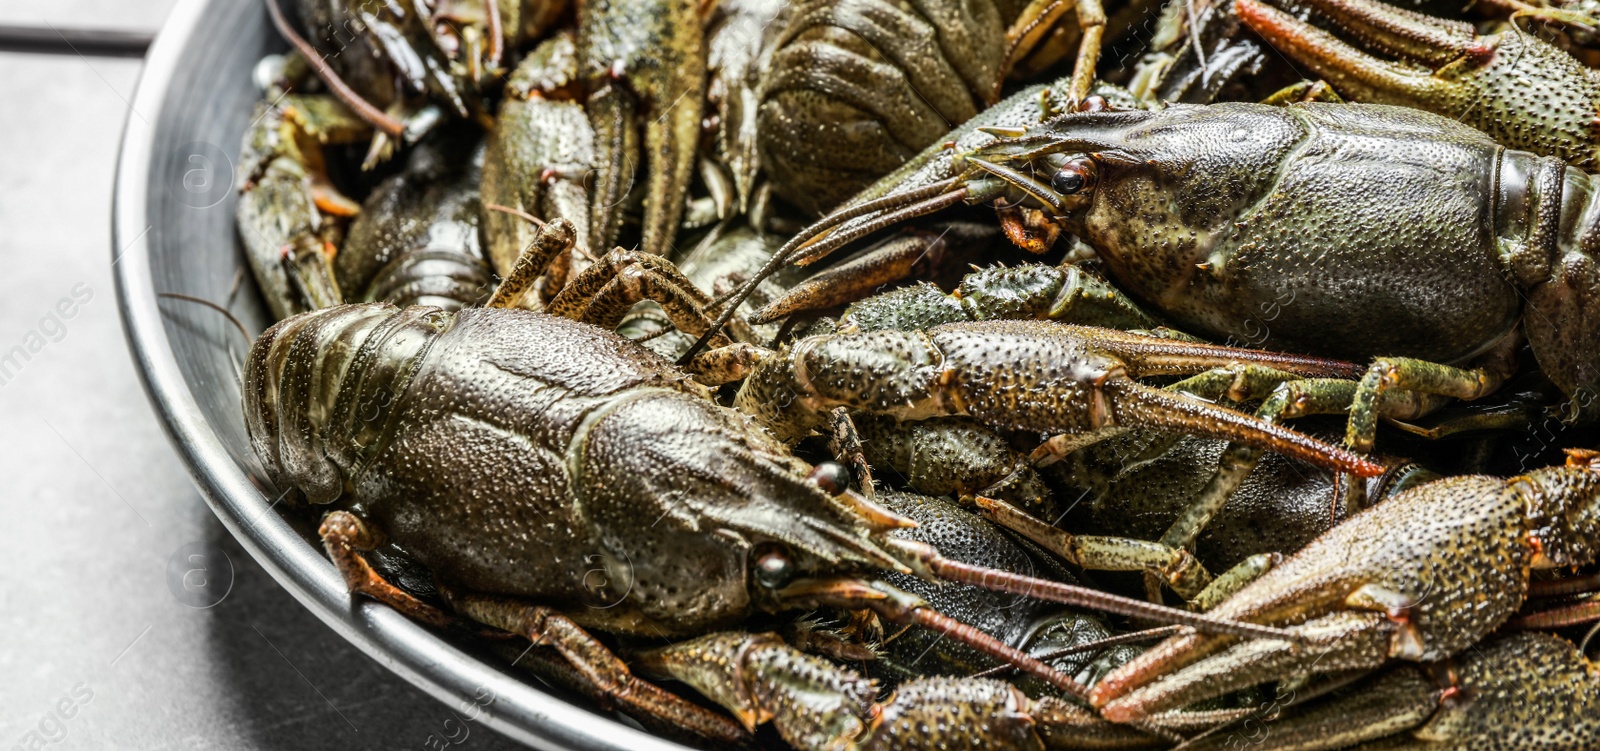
{"points": [[519, 710]]}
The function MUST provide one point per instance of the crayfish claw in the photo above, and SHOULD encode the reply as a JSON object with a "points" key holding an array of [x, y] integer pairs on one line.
{"points": [[1446, 68]]}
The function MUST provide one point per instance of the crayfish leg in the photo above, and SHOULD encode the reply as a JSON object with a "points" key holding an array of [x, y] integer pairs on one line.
{"points": [[605, 676], [1174, 566], [815, 704], [344, 536], [550, 240], [1039, 18], [1422, 378], [1290, 397], [1346, 640], [1233, 580], [604, 292]]}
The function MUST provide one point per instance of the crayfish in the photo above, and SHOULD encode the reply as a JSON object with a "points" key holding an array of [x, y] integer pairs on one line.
{"points": [[894, 503], [620, 497]]}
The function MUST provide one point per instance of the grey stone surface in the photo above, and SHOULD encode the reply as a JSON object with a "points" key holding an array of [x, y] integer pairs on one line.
{"points": [[145, 15], [101, 645]]}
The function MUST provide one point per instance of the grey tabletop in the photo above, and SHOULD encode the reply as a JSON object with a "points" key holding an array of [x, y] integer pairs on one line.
{"points": [[121, 625]]}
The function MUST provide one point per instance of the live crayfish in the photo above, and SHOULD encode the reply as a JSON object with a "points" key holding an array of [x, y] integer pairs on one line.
{"points": [[583, 456], [1209, 213], [1104, 161], [1368, 596], [1516, 691], [883, 80], [563, 484], [414, 241]]}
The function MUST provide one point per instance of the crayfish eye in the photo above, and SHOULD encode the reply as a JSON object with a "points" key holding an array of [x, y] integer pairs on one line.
{"points": [[1073, 177], [772, 565], [831, 477]]}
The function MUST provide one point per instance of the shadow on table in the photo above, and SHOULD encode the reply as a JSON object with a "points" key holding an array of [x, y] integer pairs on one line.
{"points": [[287, 675]]}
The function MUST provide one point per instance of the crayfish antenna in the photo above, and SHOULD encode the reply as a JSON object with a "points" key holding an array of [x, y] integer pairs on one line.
{"points": [[818, 240], [927, 561], [363, 108], [1152, 355], [1138, 406], [1581, 612], [906, 609], [228, 314], [1033, 188], [1134, 637]]}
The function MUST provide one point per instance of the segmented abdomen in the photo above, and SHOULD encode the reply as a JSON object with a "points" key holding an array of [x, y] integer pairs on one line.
{"points": [[1547, 223], [441, 277], [855, 88]]}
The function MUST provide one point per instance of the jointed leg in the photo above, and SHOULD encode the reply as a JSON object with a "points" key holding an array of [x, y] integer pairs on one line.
{"points": [[552, 240], [1175, 566], [1292, 398], [1233, 580], [845, 444], [604, 292], [607, 676], [345, 536], [1235, 383], [1289, 399], [1040, 17], [1092, 19], [604, 676], [1390, 374]]}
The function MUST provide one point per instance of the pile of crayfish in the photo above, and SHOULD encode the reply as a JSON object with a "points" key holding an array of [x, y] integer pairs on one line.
{"points": [[904, 374]]}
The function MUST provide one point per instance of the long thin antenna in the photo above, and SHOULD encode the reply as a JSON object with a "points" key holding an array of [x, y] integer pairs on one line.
{"points": [[363, 109], [1149, 634], [930, 561], [924, 199], [202, 301]]}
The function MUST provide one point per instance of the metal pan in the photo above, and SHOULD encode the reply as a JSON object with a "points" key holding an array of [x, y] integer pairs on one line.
{"points": [[173, 231]]}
